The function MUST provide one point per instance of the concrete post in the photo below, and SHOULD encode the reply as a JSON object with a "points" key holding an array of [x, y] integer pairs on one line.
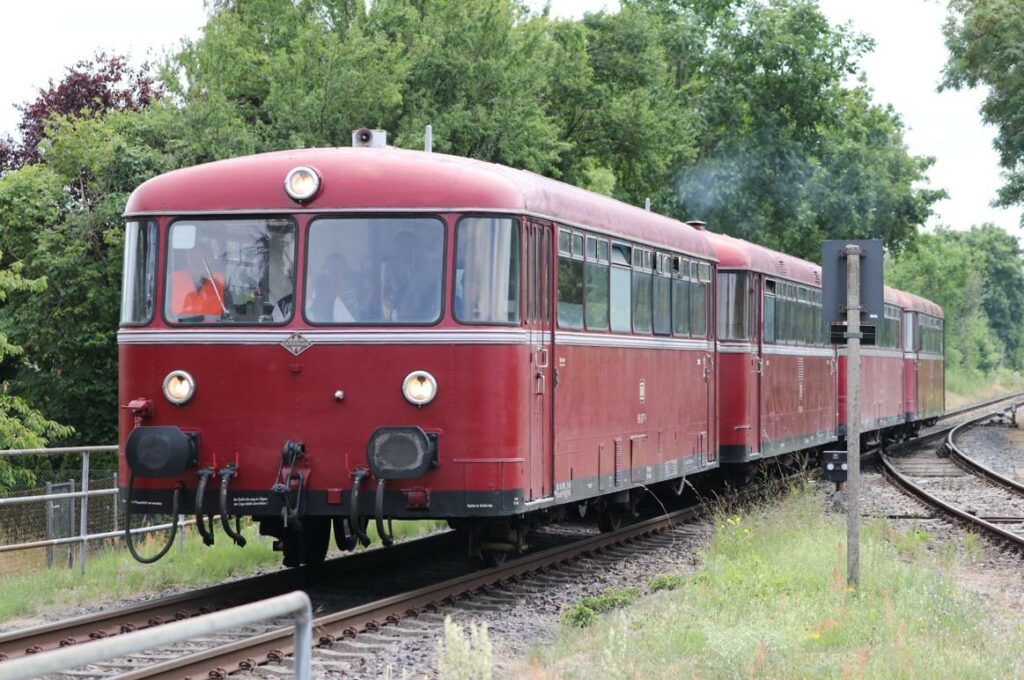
{"points": [[853, 416], [84, 519]]}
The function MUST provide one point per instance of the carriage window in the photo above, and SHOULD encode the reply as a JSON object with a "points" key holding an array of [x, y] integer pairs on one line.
{"points": [[620, 299], [377, 270], [642, 290], [570, 284], [680, 307], [662, 305], [230, 271], [769, 318], [138, 290], [698, 309], [733, 313], [486, 278], [596, 282]]}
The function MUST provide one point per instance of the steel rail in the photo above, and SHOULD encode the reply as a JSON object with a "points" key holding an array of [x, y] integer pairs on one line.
{"points": [[118, 620], [248, 653], [903, 481], [972, 464]]}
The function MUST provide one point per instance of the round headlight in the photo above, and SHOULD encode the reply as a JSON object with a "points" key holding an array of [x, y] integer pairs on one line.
{"points": [[179, 387], [419, 388], [302, 183]]}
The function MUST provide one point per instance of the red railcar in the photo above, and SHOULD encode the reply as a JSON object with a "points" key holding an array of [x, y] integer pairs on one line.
{"points": [[337, 335], [321, 338], [903, 374], [777, 370]]}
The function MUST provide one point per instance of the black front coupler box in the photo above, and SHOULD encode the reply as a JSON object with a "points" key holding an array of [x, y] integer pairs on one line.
{"points": [[161, 451]]}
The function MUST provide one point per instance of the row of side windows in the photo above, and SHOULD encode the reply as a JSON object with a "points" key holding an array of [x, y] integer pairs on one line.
{"points": [[610, 285], [792, 314]]}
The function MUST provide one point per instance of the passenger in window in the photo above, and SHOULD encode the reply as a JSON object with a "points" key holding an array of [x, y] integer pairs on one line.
{"points": [[197, 286], [410, 281], [334, 296]]}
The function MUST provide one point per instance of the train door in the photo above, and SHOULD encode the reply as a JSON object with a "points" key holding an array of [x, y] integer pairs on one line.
{"points": [[757, 360], [703, 282], [539, 303], [911, 367]]}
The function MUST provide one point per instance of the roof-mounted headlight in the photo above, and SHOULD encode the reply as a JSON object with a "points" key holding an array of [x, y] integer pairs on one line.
{"points": [[302, 183]]}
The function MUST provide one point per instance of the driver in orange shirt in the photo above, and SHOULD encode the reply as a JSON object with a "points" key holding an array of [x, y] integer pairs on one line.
{"points": [[198, 289]]}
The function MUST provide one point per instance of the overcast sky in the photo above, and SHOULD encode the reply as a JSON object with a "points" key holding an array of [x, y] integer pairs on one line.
{"points": [[48, 35]]}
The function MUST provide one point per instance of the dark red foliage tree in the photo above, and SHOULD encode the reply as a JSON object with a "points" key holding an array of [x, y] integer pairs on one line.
{"points": [[103, 83]]}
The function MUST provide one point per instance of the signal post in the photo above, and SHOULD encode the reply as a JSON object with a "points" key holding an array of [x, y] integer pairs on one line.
{"points": [[838, 289]]}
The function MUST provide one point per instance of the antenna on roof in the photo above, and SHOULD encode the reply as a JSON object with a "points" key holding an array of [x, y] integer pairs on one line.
{"points": [[647, 204], [428, 138]]}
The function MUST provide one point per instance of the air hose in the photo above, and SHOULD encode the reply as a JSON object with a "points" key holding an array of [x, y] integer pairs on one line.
{"points": [[130, 541]]}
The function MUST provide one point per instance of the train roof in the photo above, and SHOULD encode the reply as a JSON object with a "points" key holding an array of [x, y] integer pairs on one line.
{"points": [[911, 302], [734, 253], [395, 180]]}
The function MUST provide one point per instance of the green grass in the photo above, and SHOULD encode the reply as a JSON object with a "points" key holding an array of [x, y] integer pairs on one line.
{"points": [[770, 600], [111, 573], [964, 386]]}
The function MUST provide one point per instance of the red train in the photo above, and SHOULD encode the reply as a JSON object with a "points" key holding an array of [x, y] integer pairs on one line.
{"points": [[322, 338]]}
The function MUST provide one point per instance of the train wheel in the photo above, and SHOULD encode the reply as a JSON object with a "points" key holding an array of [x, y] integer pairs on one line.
{"points": [[308, 545], [315, 538], [610, 519]]}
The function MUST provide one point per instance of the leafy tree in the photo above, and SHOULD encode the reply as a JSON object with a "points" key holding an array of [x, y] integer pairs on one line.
{"points": [[985, 38], [781, 131], [945, 268], [103, 83]]}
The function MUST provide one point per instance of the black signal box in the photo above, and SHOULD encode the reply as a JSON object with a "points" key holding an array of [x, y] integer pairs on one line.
{"points": [[837, 334], [833, 465]]}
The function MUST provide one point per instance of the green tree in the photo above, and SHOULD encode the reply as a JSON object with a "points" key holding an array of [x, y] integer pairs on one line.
{"points": [[782, 133], [985, 40], [945, 268]]}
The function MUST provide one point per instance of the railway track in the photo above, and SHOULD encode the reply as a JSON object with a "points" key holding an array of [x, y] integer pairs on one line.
{"points": [[958, 485], [119, 620], [386, 599]]}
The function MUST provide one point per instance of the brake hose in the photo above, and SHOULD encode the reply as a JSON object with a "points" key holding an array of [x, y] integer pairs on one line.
{"points": [[128, 524]]}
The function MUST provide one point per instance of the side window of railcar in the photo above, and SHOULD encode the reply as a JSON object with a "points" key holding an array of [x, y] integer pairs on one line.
{"points": [[239, 271], [570, 279], [486, 277], [642, 286], [733, 311], [662, 294], [699, 300], [595, 275], [889, 334], [621, 296], [680, 296], [769, 311], [138, 289]]}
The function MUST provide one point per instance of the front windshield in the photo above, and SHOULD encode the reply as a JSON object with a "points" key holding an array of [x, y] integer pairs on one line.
{"points": [[375, 270], [230, 271]]}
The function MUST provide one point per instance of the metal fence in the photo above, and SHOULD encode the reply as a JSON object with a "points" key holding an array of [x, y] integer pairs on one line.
{"points": [[296, 604], [49, 521]]}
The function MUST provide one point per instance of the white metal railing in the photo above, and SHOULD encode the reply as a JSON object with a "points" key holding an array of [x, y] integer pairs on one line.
{"points": [[84, 494], [295, 603]]}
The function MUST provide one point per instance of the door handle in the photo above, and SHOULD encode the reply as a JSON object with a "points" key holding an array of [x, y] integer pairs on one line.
{"points": [[758, 365], [541, 385], [542, 357]]}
